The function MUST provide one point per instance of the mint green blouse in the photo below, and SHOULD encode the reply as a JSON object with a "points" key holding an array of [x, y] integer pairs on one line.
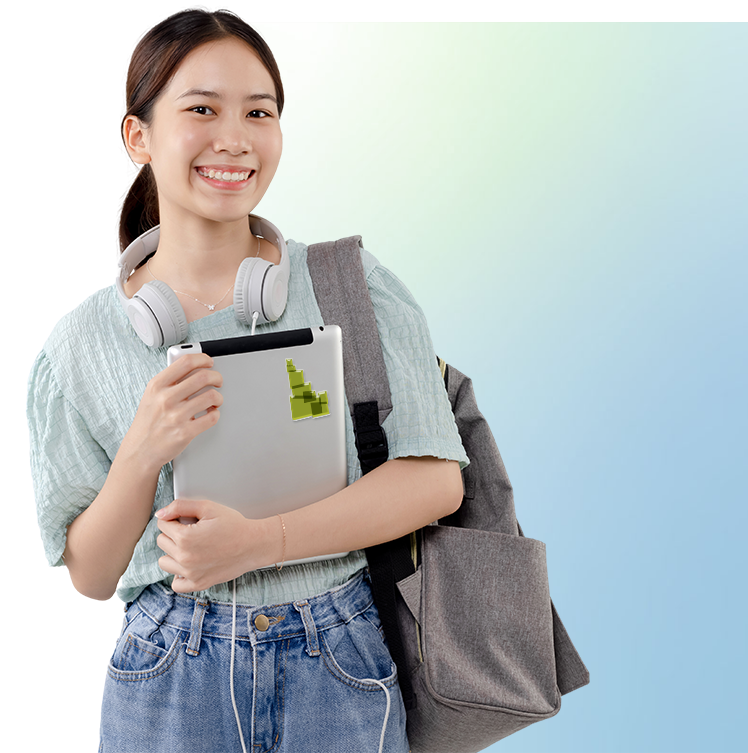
{"points": [[85, 388]]}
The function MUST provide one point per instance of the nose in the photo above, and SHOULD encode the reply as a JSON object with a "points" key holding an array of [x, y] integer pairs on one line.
{"points": [[232, 137]]}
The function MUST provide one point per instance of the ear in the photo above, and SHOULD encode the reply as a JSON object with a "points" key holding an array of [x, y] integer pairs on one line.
{"points": [[135, 136]]}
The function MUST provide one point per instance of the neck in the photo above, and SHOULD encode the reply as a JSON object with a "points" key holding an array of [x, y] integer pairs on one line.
{"points": [[202, 258]]}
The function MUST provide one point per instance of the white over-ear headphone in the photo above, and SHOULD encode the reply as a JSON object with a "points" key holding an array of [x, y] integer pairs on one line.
{"points": [[156, 313]]}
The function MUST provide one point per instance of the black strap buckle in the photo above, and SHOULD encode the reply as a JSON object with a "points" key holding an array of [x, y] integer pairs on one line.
{"points": [[371, 442]]}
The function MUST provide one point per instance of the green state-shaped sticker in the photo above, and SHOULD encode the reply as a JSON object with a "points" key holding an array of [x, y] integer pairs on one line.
{"points": [[305, 403]]}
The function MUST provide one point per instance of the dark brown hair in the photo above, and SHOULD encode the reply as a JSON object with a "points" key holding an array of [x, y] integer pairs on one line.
{"points": [[153, 63]]}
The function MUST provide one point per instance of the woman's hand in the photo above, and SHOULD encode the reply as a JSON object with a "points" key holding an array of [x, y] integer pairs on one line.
{"points": [[220, 546], [165, 422]]}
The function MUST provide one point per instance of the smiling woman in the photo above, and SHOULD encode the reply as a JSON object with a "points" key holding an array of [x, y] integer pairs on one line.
{"points": [[220, 650], [151, 67], [212, 154]]}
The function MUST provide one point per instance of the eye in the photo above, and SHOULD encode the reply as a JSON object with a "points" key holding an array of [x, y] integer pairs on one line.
{"points": [[202, 110], [258, 114]]}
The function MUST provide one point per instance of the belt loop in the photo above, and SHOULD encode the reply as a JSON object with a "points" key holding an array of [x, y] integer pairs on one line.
{"points": [[312, 644], [196, 628]]}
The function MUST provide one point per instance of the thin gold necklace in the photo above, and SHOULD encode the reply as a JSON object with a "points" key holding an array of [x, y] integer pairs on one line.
{"points": [[210, 307]]}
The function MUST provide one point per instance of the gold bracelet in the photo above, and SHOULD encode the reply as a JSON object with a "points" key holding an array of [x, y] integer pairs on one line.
{"points": [[284, 545]]}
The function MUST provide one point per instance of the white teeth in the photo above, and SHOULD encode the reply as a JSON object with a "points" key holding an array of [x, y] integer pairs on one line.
{"points": [[230, 177]]}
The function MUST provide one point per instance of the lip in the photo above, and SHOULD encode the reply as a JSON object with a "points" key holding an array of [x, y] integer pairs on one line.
{"points": [[225, 184], [226, 168]]}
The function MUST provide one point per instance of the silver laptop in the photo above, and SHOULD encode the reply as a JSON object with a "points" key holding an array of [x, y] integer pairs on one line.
{"points": [[280, 442]]}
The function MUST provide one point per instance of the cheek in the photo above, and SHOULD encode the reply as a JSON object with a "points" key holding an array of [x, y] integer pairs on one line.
{"points": [[188, 143], [174, 155], [272, 147]]}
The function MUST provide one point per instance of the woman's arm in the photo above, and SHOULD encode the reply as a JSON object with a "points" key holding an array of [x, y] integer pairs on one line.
{"points": [[101, 540], [400, 496]]}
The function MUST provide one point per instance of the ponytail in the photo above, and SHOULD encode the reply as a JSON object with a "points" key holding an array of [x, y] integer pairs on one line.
{"points": [[139, 209]]}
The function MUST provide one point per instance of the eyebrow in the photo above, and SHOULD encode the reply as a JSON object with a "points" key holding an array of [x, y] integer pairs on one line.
{"points": [[216, 95]]}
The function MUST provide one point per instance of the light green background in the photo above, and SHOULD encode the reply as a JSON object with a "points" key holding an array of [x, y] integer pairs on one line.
{"points": [[567, 203]]}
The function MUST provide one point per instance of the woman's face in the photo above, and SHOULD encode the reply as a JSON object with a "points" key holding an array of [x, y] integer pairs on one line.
{"points": [[214, 142]]}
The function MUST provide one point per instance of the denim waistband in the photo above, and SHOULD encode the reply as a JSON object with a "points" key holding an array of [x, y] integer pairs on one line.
{"points": [[258, 624]]}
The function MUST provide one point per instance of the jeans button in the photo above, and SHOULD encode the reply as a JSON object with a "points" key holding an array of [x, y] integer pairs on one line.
{"points": [[262, 623]]}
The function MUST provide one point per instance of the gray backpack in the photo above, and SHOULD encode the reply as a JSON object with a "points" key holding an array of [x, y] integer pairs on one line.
{"points": [[480, 650]]}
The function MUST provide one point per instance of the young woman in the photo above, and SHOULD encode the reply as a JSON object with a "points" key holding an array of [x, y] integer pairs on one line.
{"points": [[299, 663]]}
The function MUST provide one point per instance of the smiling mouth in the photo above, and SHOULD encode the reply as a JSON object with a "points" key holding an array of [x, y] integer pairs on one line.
{"points": [[226, 176]]}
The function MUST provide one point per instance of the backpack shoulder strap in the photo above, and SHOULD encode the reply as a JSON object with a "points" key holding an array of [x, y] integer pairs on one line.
{"points": [[338, 280], [337, 274]]}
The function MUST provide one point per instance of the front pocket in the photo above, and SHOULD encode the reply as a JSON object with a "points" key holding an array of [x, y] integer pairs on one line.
{"points": [[145, 650], [486, 622], [355, 652], [138, 655]]}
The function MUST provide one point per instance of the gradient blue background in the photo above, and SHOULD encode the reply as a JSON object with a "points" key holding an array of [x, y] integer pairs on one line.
{"points": [[567, 203]]}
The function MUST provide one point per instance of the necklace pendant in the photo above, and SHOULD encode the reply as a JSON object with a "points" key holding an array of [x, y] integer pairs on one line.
{"points": [[210, 308]]}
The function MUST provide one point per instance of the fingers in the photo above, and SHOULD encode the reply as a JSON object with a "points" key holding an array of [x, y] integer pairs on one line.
{"points": [[184, 581], [196, 393], [182, 585], [186, 376], [167, 546], [177, 371], [197, 380], [201, 402], [170, 565], [187, 508], [170, 408]]}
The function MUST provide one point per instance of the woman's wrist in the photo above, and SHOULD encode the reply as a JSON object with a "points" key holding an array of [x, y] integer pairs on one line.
{"points": [[138, 460], [265, 543]]}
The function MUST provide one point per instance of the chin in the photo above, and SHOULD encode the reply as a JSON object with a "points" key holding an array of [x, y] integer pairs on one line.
{"points": [[228, 216]]}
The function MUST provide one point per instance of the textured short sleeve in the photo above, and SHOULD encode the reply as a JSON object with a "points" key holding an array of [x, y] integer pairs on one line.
{"points": [[421, 422], [68, 466]]}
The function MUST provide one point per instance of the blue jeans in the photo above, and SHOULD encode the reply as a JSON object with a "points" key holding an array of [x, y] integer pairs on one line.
{"points": [[311, 676]]}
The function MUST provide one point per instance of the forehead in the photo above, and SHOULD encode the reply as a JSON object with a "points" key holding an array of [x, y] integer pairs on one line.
{"points": [[228, 66]]}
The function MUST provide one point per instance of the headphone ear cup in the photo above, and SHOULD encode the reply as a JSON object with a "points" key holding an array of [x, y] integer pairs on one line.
{"points": [[156, 315], [248, 289], [274, 293]]}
